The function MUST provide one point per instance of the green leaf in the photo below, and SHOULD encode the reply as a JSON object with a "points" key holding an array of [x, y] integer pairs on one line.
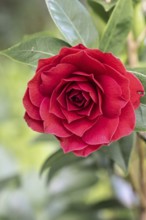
{"points": [[141, 70], [120, 151], [65, 161], [74, 21], [32, 49], [106, 5], [140, 118], [57, 161], [51, 160], [117, 28], [99, 11]]}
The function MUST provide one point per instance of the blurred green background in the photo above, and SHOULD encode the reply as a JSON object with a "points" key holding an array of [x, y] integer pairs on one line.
{"points": [[78, 192], [22, 192]]}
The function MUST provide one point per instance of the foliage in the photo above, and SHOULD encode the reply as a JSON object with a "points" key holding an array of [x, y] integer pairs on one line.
{"points": [[34, 48]]}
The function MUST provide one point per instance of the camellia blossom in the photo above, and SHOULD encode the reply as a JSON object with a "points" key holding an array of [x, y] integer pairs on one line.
{"points": [[85, 97]]}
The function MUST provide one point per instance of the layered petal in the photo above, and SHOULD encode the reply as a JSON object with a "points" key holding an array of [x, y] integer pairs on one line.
{"points": [[90, 88], [36, 125], [71, 50], [35, 94], [32, 110], [87, 150], [86, 111], [107, 58], [126, 122], [112, 101], [114, 62], [46, 62], [96, 111], [84, 62], [72, 143], [55, 107], [71, 115], [51, 78], [101, 132], [121, 80], [136, 90], [52, 124], [80, 126]]}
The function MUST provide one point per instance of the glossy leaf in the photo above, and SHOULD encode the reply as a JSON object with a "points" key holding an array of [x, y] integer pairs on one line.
{"points": [[100, 12], [74, 21], [118, 27], [51, 160], [141, 118], [32, 49], [106, 5], [57, 161], [141, 70], [120, 151], [68, 160], [62, 163]]}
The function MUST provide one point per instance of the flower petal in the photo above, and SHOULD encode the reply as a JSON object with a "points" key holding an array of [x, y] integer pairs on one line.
{"points": [[107, 58], [89, 87], [34, 91], [52, 124], [51, 78], [86, 111], [87, 150], [126, 122], [36, 125], [72, 143], [114, 62], [61, 96], [112, 101], [101, 132], [71, 50], [80, 126], [84, 62], [46, 62], [97, 108], [121, 80], [32, 110], [55, 107], [71, 115], [44, 108], [136, 90]]}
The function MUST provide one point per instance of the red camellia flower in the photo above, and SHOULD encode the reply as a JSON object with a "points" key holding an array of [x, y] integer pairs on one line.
{"points": [[85, 97]]}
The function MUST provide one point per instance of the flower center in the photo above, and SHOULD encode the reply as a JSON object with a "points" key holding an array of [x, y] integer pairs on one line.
{"points": [[76, 98]]}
